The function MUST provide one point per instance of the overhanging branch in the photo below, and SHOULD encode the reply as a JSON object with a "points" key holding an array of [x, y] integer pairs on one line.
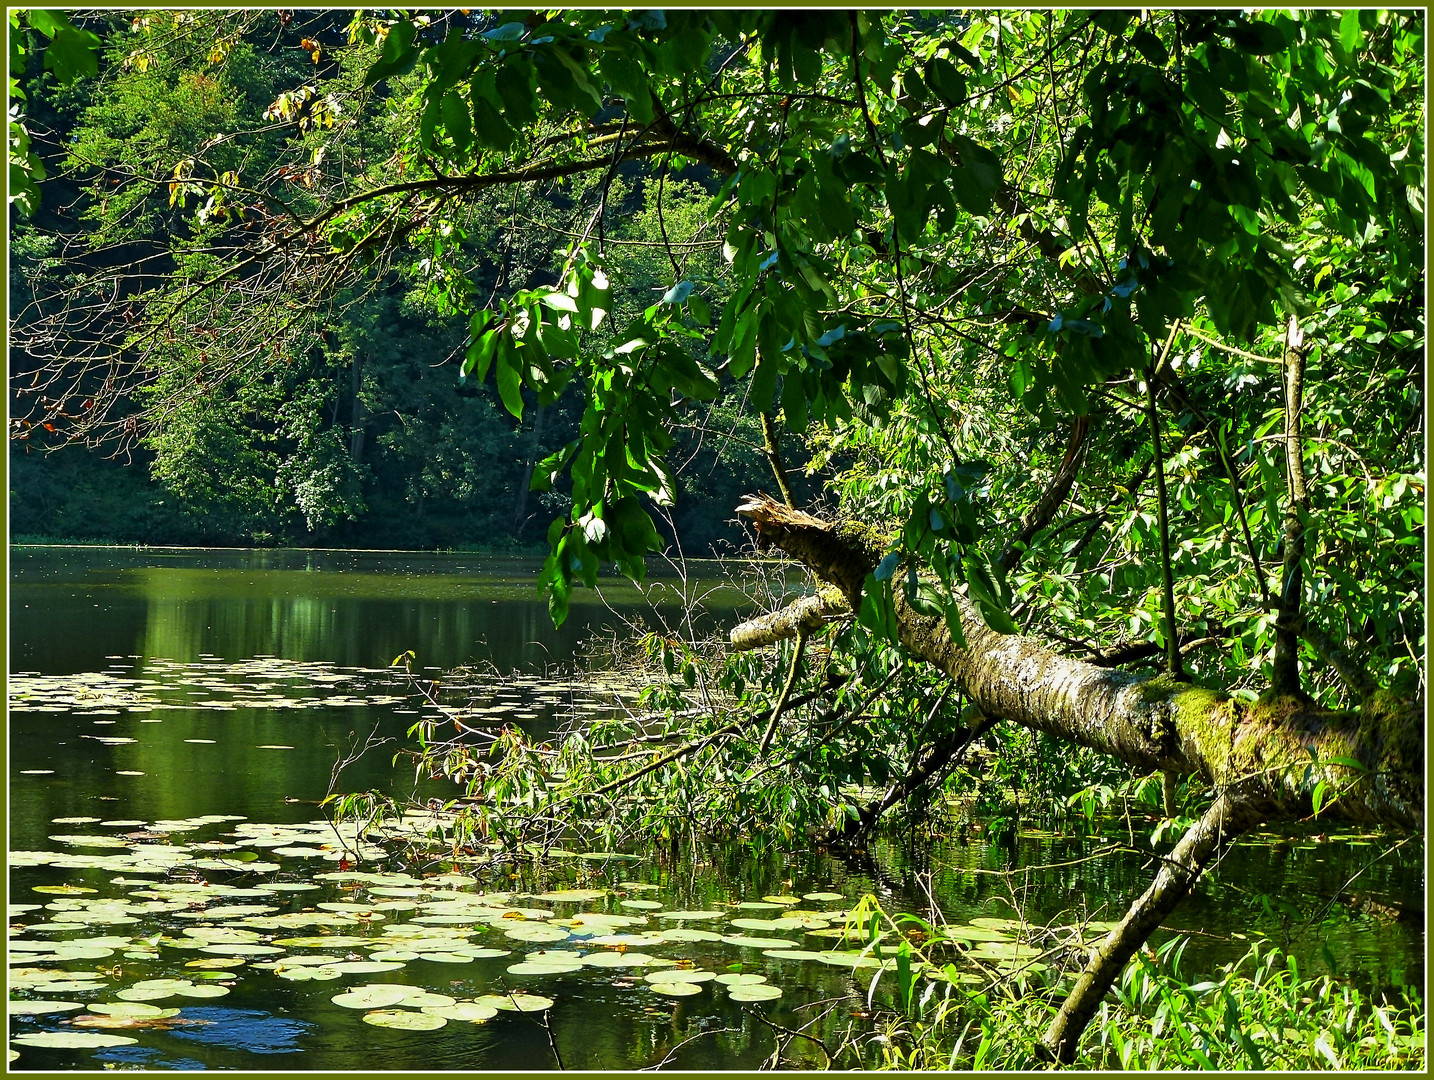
{"points": [[1368, 765]]}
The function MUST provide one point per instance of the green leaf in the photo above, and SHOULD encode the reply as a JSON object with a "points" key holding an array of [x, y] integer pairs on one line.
{"points": [[491, 128], [514, 84], [554, 300], [480, 356], [945, 81], [1350, 34], [457, 120], [678, 293], [46, 20], [953, 625], [1150, 47], [508, 31], [398, 56], [72, 54], [510, 379], [983, 592], [764, 381]]}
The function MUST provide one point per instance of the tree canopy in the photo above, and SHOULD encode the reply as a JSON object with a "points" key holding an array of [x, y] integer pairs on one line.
{"points": [[1103, 332]]}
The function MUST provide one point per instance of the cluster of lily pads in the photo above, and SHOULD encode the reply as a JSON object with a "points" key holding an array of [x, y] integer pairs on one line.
{"points": [[156, 685], [155, 913], [161, 684]]}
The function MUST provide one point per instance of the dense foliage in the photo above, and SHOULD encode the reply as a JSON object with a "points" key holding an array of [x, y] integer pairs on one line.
{"points": [[356, 430], [1105, 328]]}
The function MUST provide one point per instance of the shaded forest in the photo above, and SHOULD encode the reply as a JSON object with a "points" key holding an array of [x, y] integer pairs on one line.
{"points": [[369, 437]]}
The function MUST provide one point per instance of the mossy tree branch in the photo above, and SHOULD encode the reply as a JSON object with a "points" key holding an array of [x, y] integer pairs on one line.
{"points": [[1281, 750]]}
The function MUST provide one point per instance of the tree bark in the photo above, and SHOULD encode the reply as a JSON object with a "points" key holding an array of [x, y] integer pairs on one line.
{"points": [[535, 444], [1281, 750], [1285, 673], [356, 431], [1053, 499], [1205, 842], [1271, 759], [808, 614]]}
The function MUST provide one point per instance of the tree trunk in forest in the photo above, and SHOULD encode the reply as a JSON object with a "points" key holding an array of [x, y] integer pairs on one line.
{"points": [[1277, 758], [535, 442], [356, 411]]}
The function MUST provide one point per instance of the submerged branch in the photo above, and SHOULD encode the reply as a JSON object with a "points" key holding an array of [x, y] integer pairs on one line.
{"points": [[1203, 844]]}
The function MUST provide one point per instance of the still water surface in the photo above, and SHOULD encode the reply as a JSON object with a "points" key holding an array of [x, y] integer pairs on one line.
{"points": [[228, 684]]}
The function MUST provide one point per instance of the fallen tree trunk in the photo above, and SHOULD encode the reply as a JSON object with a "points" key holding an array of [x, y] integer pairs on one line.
{"points": [[1277, 758], [1366, 765]]}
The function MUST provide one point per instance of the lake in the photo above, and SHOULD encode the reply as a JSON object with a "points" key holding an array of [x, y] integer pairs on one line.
{"points": [[177, 716]]}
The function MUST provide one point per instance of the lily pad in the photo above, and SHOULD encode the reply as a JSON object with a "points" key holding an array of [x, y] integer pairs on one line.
{"points": [[852, 960], [331, 941], [545, 967], [681, 975], [69, 986], [403, 1020], [990, 922], [40, 1008], [62, 890], [473, 1012], [308, 974], [630, 940], [517, 1002], [371, 997], [572, 895], [483, 954], [675, 989], [741, 978], [364, 967], [975, 934], [617, 959], [754, 924], [242, 948], [689, 916], [131, 1008], [685, 933], [792, 954], [297, 960], [72, 1040], [536, 932], [754, 992], [203, 991], [743, 941], [418, 998], [1006, 950], [800, 922]]}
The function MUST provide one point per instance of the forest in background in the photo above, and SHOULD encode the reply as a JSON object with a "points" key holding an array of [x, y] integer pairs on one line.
{"points": [[370, 438]]}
